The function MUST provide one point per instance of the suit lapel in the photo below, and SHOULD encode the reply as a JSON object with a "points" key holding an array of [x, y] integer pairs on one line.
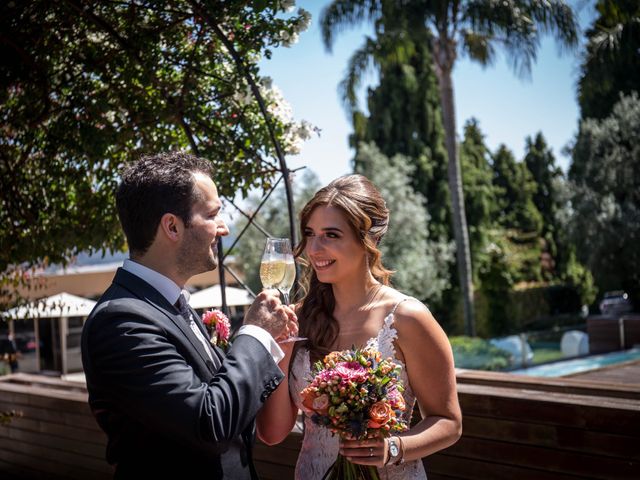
{"points": [[217, 353], [146, 292]]}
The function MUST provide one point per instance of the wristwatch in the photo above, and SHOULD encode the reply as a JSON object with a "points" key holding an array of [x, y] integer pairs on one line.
{"points": [[395, 454]]}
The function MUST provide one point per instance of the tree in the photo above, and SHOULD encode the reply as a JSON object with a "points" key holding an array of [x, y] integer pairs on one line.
{"points": [[421, 263], [474, 27], [86, 87], [611, 63], [404, 110], [605, 224], [540, 162], [480, 194], [272, 217], [517, 189]]}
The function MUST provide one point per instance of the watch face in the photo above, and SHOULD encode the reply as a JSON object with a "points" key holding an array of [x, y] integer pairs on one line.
{"points": [[393, 449]]}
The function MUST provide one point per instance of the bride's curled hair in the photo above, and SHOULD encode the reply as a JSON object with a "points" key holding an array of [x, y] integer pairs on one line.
{"points": [[367, 214]]}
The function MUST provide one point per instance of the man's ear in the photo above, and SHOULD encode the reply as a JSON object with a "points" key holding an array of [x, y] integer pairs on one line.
{"points": [[171, 227]]}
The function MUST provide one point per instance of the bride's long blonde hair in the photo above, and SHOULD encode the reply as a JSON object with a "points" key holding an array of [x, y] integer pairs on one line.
{"points": [[367, 215]]}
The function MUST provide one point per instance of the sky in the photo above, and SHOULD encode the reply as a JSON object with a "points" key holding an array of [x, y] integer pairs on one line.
{"points": [[507, 107]]}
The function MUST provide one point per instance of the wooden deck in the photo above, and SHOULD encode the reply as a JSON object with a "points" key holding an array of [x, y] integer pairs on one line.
{"points": [[514, 426], [627, 373]]}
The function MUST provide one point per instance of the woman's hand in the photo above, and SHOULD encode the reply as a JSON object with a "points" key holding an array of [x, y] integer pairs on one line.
{"points": [[365, 452]]}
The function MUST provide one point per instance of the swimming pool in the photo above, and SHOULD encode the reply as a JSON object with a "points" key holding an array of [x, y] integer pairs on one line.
{"points": [[577, 365]]}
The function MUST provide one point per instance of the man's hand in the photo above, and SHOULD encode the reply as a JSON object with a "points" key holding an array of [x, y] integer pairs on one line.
{"points": [[267, 312]]}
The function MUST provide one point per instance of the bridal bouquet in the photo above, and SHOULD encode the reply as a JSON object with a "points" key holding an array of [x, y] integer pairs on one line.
{"points": [[357, 395], [218, 326]]}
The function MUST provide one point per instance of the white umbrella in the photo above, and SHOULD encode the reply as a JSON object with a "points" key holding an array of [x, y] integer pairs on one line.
{"points": [[212, 297], [59, 305]]}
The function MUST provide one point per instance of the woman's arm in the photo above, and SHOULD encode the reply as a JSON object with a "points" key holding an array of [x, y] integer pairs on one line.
{"points": [[430, 368], [278, 415], [427, 355]]}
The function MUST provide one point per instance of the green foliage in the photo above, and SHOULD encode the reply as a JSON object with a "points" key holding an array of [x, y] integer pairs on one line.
{"points": [[581, 279], [496, 284], [455, 28], [404, 113], [479, 354], [7, 415], [611, 65], [480, 194], [540, 162], [421, 264], [86, 87], [274, 219], [517, 189], [605, 224]]}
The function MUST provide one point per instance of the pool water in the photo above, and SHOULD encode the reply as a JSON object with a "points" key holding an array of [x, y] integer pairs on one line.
{"points": [[577, 365]]}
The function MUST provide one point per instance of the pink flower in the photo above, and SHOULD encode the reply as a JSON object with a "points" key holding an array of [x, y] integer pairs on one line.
{"points": [[218, 326], [396, 400], [351, 371]]}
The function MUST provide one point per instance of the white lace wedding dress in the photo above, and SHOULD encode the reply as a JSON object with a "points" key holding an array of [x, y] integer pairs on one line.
{"points": [[319, 448]]}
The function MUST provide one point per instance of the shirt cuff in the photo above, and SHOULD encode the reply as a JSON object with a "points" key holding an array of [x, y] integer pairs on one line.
{"points": [[265, 339]]}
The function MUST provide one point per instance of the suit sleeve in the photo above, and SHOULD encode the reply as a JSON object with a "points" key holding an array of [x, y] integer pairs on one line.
{"points": [[144, 374]]}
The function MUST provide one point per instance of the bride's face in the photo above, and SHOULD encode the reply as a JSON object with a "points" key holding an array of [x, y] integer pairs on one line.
{"points": [[335, 252]]}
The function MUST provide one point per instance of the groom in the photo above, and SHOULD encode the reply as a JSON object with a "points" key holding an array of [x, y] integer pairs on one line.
{"points": [[169, 402]]}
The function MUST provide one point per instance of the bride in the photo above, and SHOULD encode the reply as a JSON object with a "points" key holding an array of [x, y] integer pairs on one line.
{"points": [[349, 303]]}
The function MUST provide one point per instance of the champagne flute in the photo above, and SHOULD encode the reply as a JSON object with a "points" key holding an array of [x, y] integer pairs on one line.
{"points": [[278, 270]]}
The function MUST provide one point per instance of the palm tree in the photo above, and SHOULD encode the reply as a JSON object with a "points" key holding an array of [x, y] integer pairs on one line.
{"points": [[611, 63], [474, 28]]}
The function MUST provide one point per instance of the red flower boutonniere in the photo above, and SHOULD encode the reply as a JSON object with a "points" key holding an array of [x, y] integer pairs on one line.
{"points": [[219, 327]]}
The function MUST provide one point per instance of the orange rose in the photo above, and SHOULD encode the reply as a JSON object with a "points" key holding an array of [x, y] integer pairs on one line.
{"points": [[308, 396], [379, 413], [321, 404]]}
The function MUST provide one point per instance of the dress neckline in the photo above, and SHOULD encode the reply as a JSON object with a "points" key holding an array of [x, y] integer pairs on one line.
{"points": [[386, 324]]}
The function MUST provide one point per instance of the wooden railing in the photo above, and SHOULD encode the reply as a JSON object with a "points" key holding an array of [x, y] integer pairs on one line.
{"points": [[514, 427], [56, 437], [534, 428], [609, 334]]}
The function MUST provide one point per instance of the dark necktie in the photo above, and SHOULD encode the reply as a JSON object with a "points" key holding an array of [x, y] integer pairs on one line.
{"points": [[183, 307]]}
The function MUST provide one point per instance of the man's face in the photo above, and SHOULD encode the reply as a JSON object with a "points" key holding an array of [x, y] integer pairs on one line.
{"points": [[199, 249]]}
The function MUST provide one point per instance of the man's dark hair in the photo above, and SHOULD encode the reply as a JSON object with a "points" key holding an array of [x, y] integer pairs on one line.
{"points": [[153, 186]]}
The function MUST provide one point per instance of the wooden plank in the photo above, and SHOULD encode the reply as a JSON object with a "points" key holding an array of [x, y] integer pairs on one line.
{"points": [[604, 334], [441, 465], [65, 431], [615, 416], [43, 397], [576, 386], [627, 373], [50, 469], [631, 330], [70, 444], [552, 436], [61, 417], [69, 459], [11, 471], [549, 459]]}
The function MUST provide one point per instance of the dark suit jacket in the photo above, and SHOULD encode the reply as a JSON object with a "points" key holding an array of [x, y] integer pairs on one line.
{"points": [[165, 407]]}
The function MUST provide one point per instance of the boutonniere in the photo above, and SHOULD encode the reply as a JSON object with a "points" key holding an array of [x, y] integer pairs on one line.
{"points": [[218, 326]]}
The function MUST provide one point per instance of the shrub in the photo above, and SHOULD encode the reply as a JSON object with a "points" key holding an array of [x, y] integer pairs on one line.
{"points": [[478, 354]]}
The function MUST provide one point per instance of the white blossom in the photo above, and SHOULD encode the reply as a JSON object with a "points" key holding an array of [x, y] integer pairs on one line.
{"points": [[287, 5], [305, 20], [296, 133]]}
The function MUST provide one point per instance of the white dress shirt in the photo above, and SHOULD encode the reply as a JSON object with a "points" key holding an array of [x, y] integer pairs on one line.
{"points": [[169, 290]]}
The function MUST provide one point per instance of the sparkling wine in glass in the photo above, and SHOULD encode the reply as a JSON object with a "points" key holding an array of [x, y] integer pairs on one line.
{"points": [[278, 270]]}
